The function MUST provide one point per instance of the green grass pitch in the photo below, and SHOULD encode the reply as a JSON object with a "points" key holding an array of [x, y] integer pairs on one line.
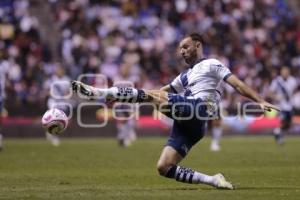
{"points": [[99, 169]]}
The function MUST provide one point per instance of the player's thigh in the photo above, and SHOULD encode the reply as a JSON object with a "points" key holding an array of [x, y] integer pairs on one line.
{"points": [[168, 157], [158, 97]]}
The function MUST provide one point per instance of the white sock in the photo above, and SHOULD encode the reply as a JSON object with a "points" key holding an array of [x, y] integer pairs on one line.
{"points": [[277, 131], [203, 178], [124, 94], [1, 140], [216, 135], [188, 175], [55, 141]]}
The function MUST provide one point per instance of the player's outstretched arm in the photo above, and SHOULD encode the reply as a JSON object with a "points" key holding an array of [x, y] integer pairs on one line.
{"points": [[166, 88], [246, 91]]}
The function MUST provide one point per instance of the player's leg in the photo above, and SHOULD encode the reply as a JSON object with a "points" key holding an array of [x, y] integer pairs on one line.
{"points": [[132, 133], [286, 120], [125, 125], [167, 166], [1, 142], [216, 132], [1, 116], [54, 140], [183, 136], [123, 132], [277, 132], [121, 94], [130, 136], [278, 136]]}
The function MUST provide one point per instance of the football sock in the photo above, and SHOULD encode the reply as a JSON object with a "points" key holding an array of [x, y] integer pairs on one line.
{"points": [[216, 135], [278, 134], [277, 131], [188, 175], [125, 94], [1, 142], [55, 141]]}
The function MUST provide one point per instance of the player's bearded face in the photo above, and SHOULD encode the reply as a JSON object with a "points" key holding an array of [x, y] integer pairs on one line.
{"points": [[188, 50]]}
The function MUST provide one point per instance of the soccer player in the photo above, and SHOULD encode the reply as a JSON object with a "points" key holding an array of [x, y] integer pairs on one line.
{"points": [[126, 133], [60, 87], [282, 90], [1, 137], [4, 67], [199, 82]]}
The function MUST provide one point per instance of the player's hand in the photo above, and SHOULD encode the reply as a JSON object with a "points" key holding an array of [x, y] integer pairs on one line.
{"points": [[266, 106]]}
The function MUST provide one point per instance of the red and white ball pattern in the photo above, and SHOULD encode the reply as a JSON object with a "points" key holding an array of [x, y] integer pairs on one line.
{"points": [[55, 121]]}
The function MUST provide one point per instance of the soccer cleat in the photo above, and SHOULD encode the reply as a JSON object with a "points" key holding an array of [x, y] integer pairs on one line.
{"points": [[109, 94], [221, 182], [85, 90]]}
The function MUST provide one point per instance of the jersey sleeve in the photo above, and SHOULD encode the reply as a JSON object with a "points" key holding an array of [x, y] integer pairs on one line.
{"points": [[176, 85], [220, 70], [295, 84]]}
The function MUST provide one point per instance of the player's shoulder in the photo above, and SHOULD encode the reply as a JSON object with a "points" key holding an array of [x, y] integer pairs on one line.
{"points": [[208, 65], [4, 67], [293, 82], [212, 61], [293, 79]]}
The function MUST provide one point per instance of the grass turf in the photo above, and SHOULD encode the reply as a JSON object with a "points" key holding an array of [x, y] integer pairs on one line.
{"points": [[99, 169]]}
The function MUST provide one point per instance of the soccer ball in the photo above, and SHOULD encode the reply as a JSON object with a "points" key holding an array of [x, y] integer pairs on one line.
{"points": [[55, 121]]}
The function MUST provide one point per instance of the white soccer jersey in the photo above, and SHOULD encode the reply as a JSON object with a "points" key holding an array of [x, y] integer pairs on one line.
{"points": [[202, 80], [58, 87], [283, 91]]}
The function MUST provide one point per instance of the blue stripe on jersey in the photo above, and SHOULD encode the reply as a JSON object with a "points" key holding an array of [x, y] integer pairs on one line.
{"points": [[187, 92], [173, 89], [59, 89], [184, 79], [283, 91]]}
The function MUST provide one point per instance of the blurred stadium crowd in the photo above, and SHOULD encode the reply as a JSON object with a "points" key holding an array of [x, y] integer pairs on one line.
{"points": [[137, 40]]}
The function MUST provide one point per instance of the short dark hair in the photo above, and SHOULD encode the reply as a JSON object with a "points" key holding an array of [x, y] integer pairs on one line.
{"points": [[196, 37]]}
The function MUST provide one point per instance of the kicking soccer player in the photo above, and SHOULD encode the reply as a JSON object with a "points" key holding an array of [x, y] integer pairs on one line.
{"points": [[199, 82], [282, 90]]}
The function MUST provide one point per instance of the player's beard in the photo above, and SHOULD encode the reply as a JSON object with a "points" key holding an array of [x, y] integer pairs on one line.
{"points": [[191, 59]]}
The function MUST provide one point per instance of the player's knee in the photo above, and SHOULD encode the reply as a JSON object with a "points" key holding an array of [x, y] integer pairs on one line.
{"points": [[158, 96], [163, 168]]}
